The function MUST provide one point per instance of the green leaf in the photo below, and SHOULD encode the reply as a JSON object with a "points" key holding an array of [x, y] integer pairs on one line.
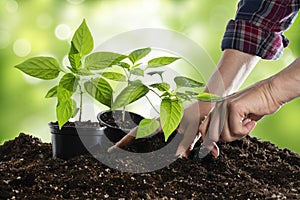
{"points": [[191, 93], [63, 94], [183, 96], [138, 72], [161, 61], [147, 127], [138, 54], [83, 39], [124, 65], [100, 90], [161, 86], [114, 76], [40, 67], [84, 72], [182, 81], [102, 60], [136, 66], [74, 109], [52, 92], [74, 58], [69, 82], [207, 97], [130, 94], [171, 112], [64, 111], [135, 82], [165, 94]]}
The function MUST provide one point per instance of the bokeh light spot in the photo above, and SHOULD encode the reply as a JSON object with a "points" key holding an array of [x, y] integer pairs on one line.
{"points": [[4, 39], [44, 21], [12, 6], [62, 31], [22, 47]]}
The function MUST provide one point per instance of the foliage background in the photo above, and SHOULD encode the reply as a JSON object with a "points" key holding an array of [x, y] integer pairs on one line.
{"points": [[29, 28]]}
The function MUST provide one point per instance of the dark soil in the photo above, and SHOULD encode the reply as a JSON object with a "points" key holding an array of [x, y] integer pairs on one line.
{"points": [[246, 169], [117, 119]]}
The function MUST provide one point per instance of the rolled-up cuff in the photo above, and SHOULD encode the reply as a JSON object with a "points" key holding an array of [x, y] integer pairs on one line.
{"points": [[249, 38]]}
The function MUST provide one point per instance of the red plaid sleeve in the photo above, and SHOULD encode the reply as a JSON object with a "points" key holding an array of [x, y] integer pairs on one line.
{"points": [[259, 26]]}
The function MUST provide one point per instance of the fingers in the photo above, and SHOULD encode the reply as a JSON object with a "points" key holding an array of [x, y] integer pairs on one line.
{"points": [[190, 133]]}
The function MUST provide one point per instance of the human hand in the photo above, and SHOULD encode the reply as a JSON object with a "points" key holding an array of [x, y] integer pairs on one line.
{"points": [[189, 127], [237, 115]]}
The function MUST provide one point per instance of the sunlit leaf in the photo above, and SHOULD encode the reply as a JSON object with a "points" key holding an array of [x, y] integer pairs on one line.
{"points": [[161, 86], [138, 54], [147, 127], [130, 94], [102, 60], [63, 94], [182, 81], [138, 72], [83, 39], [100, 90], [52, 92], [182, 96], [114, 76], [84, 72], [161, 61], [69, 82], [136, 66], [64, 111], [204, 96], [123, 64], [74, 58], [171, 112], [40, 67]]}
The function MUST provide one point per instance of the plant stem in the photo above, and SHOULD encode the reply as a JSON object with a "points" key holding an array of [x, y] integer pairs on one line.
{"points": [[152, 105], [155, 92], [123, 114], [80, 102]]}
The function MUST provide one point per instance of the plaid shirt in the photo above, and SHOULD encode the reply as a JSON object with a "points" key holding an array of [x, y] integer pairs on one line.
{"points": [[259, 26]]}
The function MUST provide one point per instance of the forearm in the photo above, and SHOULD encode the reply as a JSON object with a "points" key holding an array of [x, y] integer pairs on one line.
{"points": [[231, 72], [285, 85]]}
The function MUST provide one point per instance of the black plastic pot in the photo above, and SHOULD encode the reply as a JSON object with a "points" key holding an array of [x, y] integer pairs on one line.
{"points": [[73, 140], [117, 124]]}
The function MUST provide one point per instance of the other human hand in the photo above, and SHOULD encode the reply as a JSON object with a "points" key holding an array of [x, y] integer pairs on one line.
{"points": [[237, 115]]}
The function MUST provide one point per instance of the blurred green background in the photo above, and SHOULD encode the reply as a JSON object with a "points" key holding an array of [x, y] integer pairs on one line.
{"points": [[45, 27]]}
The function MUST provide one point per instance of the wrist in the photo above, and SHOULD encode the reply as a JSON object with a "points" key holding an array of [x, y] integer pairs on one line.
{"points": [[285, 84]]}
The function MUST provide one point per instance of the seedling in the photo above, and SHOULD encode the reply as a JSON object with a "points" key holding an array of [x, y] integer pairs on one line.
{"points": [[89, 73]]}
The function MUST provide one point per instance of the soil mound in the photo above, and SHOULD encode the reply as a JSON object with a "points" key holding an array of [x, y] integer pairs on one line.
{"points": [[246, 169]]}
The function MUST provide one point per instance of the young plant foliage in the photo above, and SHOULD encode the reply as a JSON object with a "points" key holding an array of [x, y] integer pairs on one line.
{"points": [[40, 67], [92, 73], [138, 54], [161, 61], [171, 112], [100, 90], [102, 60], [208, 97], [82, 40], [147, 126], [130, 94]]}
